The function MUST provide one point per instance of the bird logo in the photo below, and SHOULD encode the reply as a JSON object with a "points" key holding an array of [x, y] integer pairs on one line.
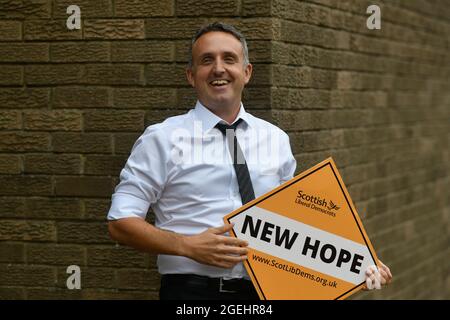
{"points": [[333, 206]]}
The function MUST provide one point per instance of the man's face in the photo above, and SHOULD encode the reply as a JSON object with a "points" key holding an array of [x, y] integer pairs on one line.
{"points": [[218, 73]]}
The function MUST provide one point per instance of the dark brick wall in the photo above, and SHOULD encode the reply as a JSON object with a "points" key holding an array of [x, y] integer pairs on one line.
{"points": [[73, 102]]}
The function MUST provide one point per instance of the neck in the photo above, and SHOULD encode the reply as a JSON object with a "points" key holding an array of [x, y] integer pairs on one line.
{"points": [[228, 113]]}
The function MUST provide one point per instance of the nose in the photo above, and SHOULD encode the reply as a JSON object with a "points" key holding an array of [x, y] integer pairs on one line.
{"points": [[218, 67]]}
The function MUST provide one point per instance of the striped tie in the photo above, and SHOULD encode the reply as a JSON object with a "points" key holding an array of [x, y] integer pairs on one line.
{"points": [[239, 163]]}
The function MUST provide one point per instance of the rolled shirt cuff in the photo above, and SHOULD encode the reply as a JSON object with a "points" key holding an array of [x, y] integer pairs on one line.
{"points": [[127, 206]]}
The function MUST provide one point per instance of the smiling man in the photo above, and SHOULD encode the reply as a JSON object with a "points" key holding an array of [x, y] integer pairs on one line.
{"points": [[219, 68], [196, 257]]}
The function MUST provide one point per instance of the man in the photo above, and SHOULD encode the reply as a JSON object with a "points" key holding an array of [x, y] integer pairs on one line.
{"points": [[177, 168]]}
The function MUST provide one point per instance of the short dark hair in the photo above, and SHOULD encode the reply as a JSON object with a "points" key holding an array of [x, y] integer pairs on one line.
{"points": [[222, 27]]}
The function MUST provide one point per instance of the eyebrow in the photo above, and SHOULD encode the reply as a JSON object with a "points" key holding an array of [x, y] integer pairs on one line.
{"points": [[226, 53]]}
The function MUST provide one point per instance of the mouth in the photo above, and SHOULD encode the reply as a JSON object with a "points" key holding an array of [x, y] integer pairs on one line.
{"points": [[219, 83]]}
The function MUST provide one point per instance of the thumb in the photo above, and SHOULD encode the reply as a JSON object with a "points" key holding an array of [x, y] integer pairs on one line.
{"points": [[222, 229]]}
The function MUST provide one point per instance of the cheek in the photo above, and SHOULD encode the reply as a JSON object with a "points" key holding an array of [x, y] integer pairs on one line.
{"points": [[240, 82], [202, 74], [239, 77]]}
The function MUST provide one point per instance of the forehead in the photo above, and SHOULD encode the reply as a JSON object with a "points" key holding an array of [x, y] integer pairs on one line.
{"points": [[217, 42]]}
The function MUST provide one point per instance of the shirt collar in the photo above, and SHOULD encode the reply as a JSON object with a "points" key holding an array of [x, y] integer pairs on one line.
{"points": [[209, 119]]}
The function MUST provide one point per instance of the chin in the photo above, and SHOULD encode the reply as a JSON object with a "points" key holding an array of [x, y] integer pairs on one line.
{"points": [[223, 104], [219, 102]]}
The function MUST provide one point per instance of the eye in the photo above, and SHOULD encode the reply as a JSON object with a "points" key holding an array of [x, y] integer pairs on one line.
{"points": [[230, 59], [206, 60]]}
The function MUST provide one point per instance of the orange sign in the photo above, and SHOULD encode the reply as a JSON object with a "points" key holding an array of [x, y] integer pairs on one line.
{"points": [[306, 240]]}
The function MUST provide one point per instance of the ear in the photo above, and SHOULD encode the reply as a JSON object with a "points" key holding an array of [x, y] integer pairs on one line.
{"points": [[190, 77], [248, 73]]}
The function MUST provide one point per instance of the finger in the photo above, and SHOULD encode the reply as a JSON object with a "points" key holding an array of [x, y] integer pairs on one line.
{"points": [[371, 278], [370, 270], [374, 283], [233, 242], [385, 268], [233, 259], [376, 278], [233, 250], [377, 285], [222, 229], [228, 261], [388, 271], [369, 283], [384, 277], [377, 281]]}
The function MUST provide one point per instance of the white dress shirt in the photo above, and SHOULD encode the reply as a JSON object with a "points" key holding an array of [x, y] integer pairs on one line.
{"points": [[183, 170]]}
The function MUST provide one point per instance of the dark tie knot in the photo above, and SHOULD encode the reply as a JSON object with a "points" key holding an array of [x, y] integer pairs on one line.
{"points": [[224, 127]]}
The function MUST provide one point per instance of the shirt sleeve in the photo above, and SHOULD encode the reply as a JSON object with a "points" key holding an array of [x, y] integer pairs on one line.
{"points": [[143, 177], [289, 163]]}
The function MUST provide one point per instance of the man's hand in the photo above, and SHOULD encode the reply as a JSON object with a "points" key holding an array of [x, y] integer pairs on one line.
{"points": [[377, 277], [213, 248]]}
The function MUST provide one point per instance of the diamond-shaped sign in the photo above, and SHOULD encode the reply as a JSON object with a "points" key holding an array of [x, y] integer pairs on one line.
{"points": [[306, 240]]}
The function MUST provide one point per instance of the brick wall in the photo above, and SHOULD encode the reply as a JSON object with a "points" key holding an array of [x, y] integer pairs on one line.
{"points": [[73, 102]]}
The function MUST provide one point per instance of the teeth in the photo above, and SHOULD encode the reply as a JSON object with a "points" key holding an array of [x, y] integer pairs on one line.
{"points": [[219, 82]]}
